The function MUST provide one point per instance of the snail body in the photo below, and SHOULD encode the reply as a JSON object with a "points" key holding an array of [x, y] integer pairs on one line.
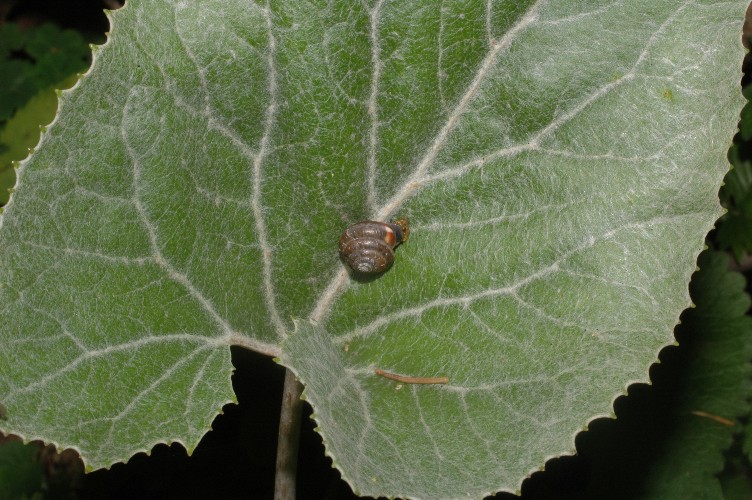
{"points": [[368, 246]]}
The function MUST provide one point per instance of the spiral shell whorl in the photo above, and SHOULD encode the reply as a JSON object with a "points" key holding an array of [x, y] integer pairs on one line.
{"points": [[367, 247], [370, 256]]}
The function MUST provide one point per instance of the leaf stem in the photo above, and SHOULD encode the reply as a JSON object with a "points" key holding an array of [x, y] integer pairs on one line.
{"points": [[288, 438]]}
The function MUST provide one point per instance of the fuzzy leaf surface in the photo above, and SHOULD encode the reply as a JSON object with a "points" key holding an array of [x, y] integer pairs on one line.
{"points": [[559, 161]]}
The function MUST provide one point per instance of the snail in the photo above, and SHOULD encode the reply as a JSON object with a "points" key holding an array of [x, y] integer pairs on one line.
{"points": [[368, 246]]}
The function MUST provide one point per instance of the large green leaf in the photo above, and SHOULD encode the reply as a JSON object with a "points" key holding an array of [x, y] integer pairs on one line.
{"points": [[559, 161]]}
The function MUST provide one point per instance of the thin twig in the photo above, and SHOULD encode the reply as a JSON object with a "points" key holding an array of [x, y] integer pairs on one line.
{"points": [[406, 379], [287, 440]]}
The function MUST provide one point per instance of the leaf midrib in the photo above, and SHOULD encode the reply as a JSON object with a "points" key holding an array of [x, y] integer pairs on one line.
{"points": [[419, 178], [413, 183]]}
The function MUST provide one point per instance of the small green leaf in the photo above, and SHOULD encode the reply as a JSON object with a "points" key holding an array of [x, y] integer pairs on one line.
{"points": [[20, 471], [34, 59], [735, 227]]}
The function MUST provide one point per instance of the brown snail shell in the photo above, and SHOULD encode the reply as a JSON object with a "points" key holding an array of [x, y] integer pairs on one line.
{"points": [[368, 246]]}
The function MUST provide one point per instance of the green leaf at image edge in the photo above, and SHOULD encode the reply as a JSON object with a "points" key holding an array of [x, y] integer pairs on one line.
{"points": [[21, 474], [191, 191], [21, 132], [35, 58], [668, 440]]}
